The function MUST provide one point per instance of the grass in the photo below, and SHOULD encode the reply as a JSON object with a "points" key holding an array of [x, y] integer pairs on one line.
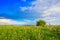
{"points": [[29, 33]]}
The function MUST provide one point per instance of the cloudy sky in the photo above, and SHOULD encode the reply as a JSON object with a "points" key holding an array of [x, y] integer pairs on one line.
{"points": [[27, 12]]}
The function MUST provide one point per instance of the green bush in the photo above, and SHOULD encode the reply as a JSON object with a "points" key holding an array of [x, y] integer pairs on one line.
{"points": [[41, 23]]}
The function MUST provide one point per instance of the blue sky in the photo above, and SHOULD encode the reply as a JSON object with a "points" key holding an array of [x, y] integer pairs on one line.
{"points": [[23, 12]]}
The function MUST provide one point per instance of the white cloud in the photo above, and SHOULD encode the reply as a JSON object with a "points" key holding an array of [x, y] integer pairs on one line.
{"points": [[52, 15], [13, 22], [23, 8], [9, 22], [48, 9], [40, 5], [54, 10]]}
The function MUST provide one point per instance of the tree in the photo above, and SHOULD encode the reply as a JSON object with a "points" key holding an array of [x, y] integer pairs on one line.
{"points": [[41, 23]]}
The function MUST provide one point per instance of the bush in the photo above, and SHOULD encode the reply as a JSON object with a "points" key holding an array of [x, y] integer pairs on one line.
{"points": [[41, 23]]}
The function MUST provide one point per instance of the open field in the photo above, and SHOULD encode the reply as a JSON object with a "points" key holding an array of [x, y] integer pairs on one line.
{"points": [[29, 33]]}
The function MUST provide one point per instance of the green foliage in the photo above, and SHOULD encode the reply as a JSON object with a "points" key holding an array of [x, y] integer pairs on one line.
{"points": [[29, 33], [41, 23]]}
